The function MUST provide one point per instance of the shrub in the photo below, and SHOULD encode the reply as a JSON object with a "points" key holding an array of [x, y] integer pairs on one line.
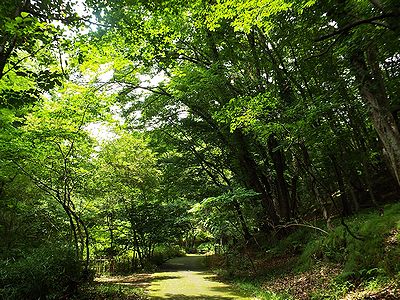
{"points": [[163, 252], [336, 291], [205, 247], [108, 291], [47, 272]]}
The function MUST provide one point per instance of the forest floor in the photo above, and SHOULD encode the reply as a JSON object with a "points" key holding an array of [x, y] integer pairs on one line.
{"points": [[304, 265], [179, 278], [336, 266]]}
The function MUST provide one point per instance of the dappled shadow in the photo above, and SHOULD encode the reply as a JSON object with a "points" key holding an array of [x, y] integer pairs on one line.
{"points": [[223, 289], [181, 278], [189, 262], [189, 297], [209, 276], [136, 280], [191, 285], [165, 277]]}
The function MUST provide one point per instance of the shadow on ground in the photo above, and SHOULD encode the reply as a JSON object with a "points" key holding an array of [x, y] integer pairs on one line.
{"points": [[185, 263], [185, 278], [136, 280], [185, 297], [181, 278]]}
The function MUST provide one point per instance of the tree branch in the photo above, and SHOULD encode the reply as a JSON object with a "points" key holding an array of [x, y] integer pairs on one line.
{"points": [[302, 225], [22, 59], [352, 25]]}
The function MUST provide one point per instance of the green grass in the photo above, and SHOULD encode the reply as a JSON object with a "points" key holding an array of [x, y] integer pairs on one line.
{"points": [[112, 291], [335, 291], [254, 288]]}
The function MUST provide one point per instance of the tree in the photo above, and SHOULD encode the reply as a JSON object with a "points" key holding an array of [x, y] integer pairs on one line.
{"points": [[54, 151], [238, 86], [128, 179]]}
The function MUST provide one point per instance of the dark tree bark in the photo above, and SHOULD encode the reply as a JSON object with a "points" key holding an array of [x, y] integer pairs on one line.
{"points": [[372, 89], [278, 160], [248, 170], [346, 208], [246, 232]]}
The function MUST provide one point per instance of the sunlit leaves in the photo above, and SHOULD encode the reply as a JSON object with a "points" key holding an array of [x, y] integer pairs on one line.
{"points": [[129, 162], [247, 15], [220, 215], [248, 111], [64, 114]]}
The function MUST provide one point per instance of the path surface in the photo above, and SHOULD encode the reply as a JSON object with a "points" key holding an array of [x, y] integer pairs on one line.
{"points": [[185, 278]]}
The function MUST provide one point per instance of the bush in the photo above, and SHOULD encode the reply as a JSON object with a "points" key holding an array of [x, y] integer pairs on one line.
{"points": [[254, 288], [294, 242], [47, 272], [108, 291], [162, 253], [205, 247], [335, 291], [331, 248]]}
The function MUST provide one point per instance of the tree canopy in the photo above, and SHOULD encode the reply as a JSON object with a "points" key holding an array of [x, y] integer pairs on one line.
{"points": [[132, 126]]}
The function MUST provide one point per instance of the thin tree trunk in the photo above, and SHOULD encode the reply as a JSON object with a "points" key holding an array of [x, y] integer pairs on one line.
{"points": [[137, 246], [346, 209], [86, 240], [73, 230], [278, 160], [246, 232]]}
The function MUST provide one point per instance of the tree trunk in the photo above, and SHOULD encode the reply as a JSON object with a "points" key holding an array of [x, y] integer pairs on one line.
{"points": [[346, 209], [311, 182], [278, 160], [246, 232], [372, 90], [247, 167], [85, 242], [73, 230], [137, 246]]}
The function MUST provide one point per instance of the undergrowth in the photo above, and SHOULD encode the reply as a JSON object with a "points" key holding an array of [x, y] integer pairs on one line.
{"points": [[368, 262], [109, 291], [254, 288], [47, 272], [376, 252]]}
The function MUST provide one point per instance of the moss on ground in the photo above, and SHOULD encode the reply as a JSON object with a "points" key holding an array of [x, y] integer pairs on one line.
{"points": [[186, 278]]}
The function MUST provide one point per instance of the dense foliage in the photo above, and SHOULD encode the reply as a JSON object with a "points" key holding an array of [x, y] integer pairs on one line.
{"points": [[132, 130]]}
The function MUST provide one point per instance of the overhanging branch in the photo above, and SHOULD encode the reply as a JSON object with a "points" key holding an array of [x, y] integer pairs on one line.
{"points": [[354, 24]]}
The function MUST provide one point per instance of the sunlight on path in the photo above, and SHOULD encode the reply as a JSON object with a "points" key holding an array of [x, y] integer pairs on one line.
{"points": [[184, 280]]}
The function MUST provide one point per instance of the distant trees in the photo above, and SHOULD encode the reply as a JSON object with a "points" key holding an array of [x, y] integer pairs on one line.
{"points": [[129, 200]]}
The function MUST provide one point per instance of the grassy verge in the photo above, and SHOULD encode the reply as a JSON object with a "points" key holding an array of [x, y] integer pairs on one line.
{"points": [[255, 289], [109, 291]]}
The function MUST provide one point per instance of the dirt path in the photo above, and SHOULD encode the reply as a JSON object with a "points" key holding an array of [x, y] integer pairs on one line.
{"points": [[185, 278]]}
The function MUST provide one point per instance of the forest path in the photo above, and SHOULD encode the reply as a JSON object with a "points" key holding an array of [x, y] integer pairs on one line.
{"points": [[185, 278]]}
